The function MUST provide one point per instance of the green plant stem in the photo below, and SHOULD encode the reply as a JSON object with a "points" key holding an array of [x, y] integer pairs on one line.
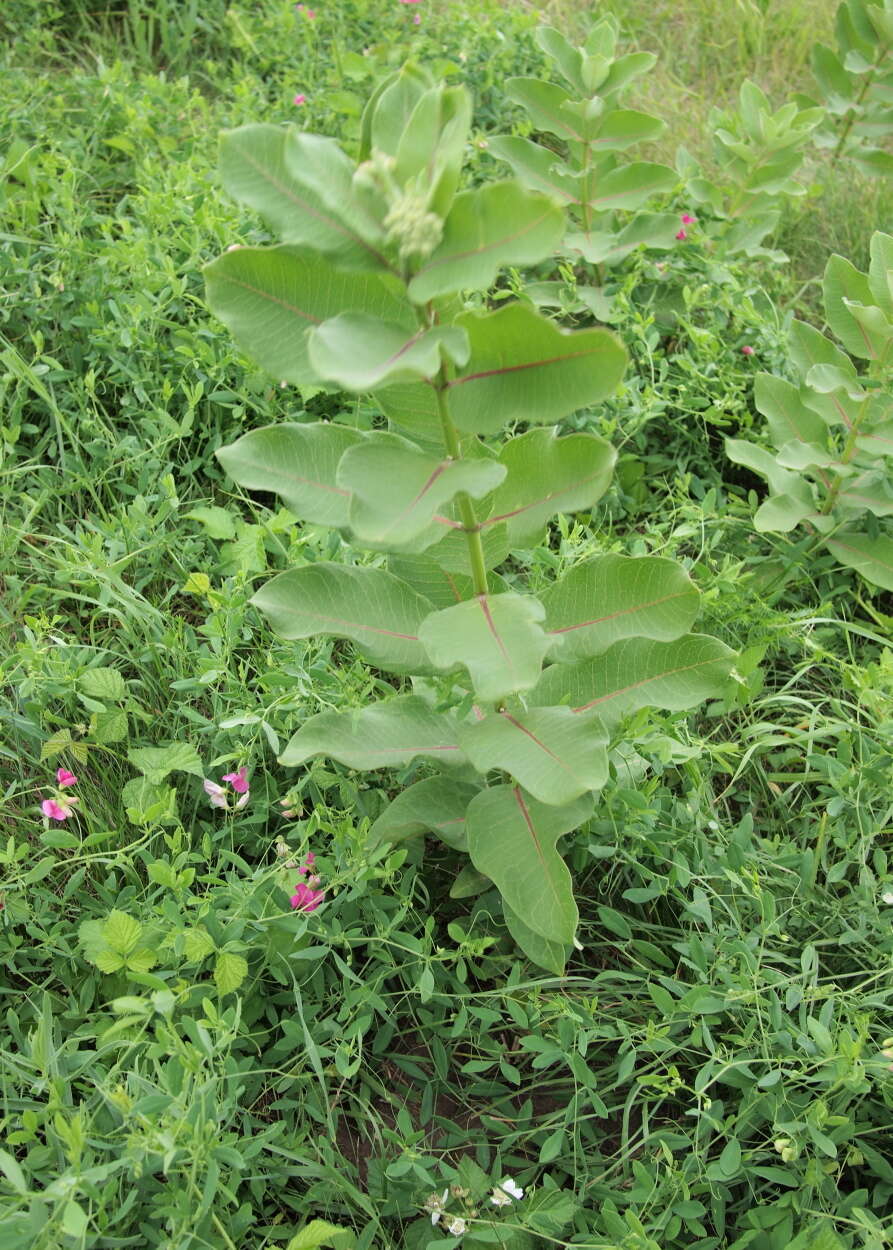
{"points": [[587, 207], [846, 457], [851, 113], [466, 507]]}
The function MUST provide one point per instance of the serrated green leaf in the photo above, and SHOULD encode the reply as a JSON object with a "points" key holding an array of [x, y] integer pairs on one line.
{"points": [[546, 474], [198, 944], [142, 960], [156, 763], [511, 839], [380, 613], [230, 970], [524, 368], [55, 744], [320, 1233], [121, 932], [612, 597], [269, 298], [384, 735], [108, 961], [637, 673], [102, 683], [109, 726], [489, 227], [360, 352], [219, 523], [435, 805], [298, 463], [555, 754], [497, 638], [397, 491]]}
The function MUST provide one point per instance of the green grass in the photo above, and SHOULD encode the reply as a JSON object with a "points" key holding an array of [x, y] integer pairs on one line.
{"points": [[733, 988]]}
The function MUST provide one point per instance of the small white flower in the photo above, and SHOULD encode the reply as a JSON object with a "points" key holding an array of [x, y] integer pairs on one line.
{"points": [[507, 1185], [500, 1198], [435, 1216], [456, 1226], [887, 897]]}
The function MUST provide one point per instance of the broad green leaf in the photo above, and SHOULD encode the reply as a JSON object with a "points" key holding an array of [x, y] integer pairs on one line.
{"points": [[109, 961], [631, 186], [438, 585], [489, 227], [397, 490], [102, 683], [546, 474], [539, 950], [868, 492], [836, 84], [880, 272], [511, 839], [395, 107], [624, 70], [787, 416], [383, 735], [524, 368], [568, 58], [498, 638], [268, 298], [606, 247], [844, 285], [544, 103], [360, 352], [451, 553], [802, 456], [637, 673], [156, 762], [122, 933], [809, 347], [612, 597], [554, 753], [298, 463], [198, 944], [779, 514], [108, 726], [412, 407], [621, 128], [142, 960], [872, 557], [762, 461], [435, 805], [537, 167], [230, 971], [469, 882], [376, 610], [433, 144], [302, 186]]}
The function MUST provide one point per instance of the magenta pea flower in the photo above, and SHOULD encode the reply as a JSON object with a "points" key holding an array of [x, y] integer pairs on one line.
{"points": [[59, 808], [682, 235], [219, 795], [747, 350], [306, 896], [299, 99], [688, 220], [409, 1], [416, 21], [65, 778]]}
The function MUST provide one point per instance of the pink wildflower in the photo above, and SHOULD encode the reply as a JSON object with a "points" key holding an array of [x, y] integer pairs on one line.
{"points": [[747, 350], [299, 99], [409, 1], [219, 796], [681, 235], [416, 21], [59, 808], [238, 780], [688, 220], [305, 898], [65, 778]]}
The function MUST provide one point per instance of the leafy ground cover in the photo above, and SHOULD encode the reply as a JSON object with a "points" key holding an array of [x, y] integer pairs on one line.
{"points": [[186, 1059]]}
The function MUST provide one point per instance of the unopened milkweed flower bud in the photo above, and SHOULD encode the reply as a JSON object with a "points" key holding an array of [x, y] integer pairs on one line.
{"points": [[414, 229]]}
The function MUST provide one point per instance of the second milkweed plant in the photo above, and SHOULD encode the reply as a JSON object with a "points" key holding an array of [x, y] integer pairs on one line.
{"points": [[516, 700]]}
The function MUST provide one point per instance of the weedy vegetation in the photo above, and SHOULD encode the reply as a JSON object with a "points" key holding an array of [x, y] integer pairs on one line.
{"points": [[446, 563]]}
